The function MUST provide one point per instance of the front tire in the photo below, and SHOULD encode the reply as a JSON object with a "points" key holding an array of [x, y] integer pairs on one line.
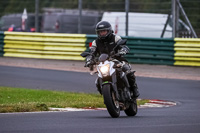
{"points": [[110, 101], [132, 110]]}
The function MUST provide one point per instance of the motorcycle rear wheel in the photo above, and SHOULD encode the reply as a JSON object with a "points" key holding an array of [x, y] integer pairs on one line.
{"points": [[132, 110], [110, 101]]}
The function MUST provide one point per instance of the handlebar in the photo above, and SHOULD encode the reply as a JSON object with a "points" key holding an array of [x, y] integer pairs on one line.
{"points": [[96, 62]]}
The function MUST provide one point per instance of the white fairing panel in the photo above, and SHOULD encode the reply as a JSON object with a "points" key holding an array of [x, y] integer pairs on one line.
{"points": [[106, 63]]}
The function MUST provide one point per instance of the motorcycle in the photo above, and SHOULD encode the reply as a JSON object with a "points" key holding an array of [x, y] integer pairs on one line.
{"points": [[113, 84]]}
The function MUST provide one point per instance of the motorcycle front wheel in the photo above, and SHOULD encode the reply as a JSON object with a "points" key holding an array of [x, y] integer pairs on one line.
{"points": [[110, 101]]}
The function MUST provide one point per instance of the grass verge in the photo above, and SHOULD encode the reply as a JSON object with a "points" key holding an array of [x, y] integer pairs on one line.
{"points": [[29, 100]]}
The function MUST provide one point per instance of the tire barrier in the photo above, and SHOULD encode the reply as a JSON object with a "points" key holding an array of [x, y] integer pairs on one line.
{"points": [[178, 51], [44, 45], [187, 52]]}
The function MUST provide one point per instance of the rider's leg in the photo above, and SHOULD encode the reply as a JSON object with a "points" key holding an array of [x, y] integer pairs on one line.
{"points": [[133, 84], [132, 79], [127, 88]]}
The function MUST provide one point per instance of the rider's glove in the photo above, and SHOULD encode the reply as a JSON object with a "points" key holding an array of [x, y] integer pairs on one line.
{"points": [[123, 51], [88, 63]]}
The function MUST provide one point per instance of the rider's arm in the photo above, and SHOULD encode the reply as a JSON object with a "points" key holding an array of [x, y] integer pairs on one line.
{"points": [[123, 49], [90, 58], [117, 39], [93, 48]]}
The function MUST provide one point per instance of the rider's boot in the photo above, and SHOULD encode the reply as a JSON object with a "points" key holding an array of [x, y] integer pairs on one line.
{"points": [[133, 84], [126, 89], [135, 91]]}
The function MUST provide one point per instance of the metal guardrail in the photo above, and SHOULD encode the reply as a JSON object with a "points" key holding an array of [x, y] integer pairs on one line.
{"points": [[150, 50], [44, 45], [187, 51], [147, 50]]}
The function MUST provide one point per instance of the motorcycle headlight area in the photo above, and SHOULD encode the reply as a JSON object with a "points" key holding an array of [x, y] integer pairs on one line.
{"points": [[105, 69]]}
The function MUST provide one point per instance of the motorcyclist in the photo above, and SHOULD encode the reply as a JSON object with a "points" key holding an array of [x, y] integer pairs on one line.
{"points": [[105, 43]]}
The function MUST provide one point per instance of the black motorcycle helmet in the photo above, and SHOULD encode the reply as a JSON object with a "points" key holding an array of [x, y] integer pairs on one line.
{"points": [[103, 25]]}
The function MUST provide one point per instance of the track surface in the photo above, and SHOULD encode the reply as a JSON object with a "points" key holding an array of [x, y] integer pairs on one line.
{"points": [[182, 118]]}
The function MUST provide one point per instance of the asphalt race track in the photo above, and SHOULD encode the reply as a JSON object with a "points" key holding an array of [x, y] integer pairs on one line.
{"points": [[182, 118]]}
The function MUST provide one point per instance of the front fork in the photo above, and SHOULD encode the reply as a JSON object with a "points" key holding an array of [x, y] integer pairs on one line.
{"points": [[100, 83]]}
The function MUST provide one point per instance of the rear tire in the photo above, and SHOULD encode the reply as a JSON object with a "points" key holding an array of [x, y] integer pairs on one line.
{"points": [[132, 110], [110, 101]]}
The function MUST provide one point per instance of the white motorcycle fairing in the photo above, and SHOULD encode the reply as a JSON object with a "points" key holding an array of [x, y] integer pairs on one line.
{"points": [[105, 69]]}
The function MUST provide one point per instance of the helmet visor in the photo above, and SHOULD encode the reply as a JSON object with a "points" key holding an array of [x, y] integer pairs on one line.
{"points": [[102, 33]]}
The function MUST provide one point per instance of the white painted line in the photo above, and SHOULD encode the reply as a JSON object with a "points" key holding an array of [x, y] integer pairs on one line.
{"points": [[75, 109], [150, 104], [158, 103]]}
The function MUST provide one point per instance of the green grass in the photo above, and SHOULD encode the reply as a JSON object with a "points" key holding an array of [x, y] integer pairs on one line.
{"points": [[29, 100]]}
